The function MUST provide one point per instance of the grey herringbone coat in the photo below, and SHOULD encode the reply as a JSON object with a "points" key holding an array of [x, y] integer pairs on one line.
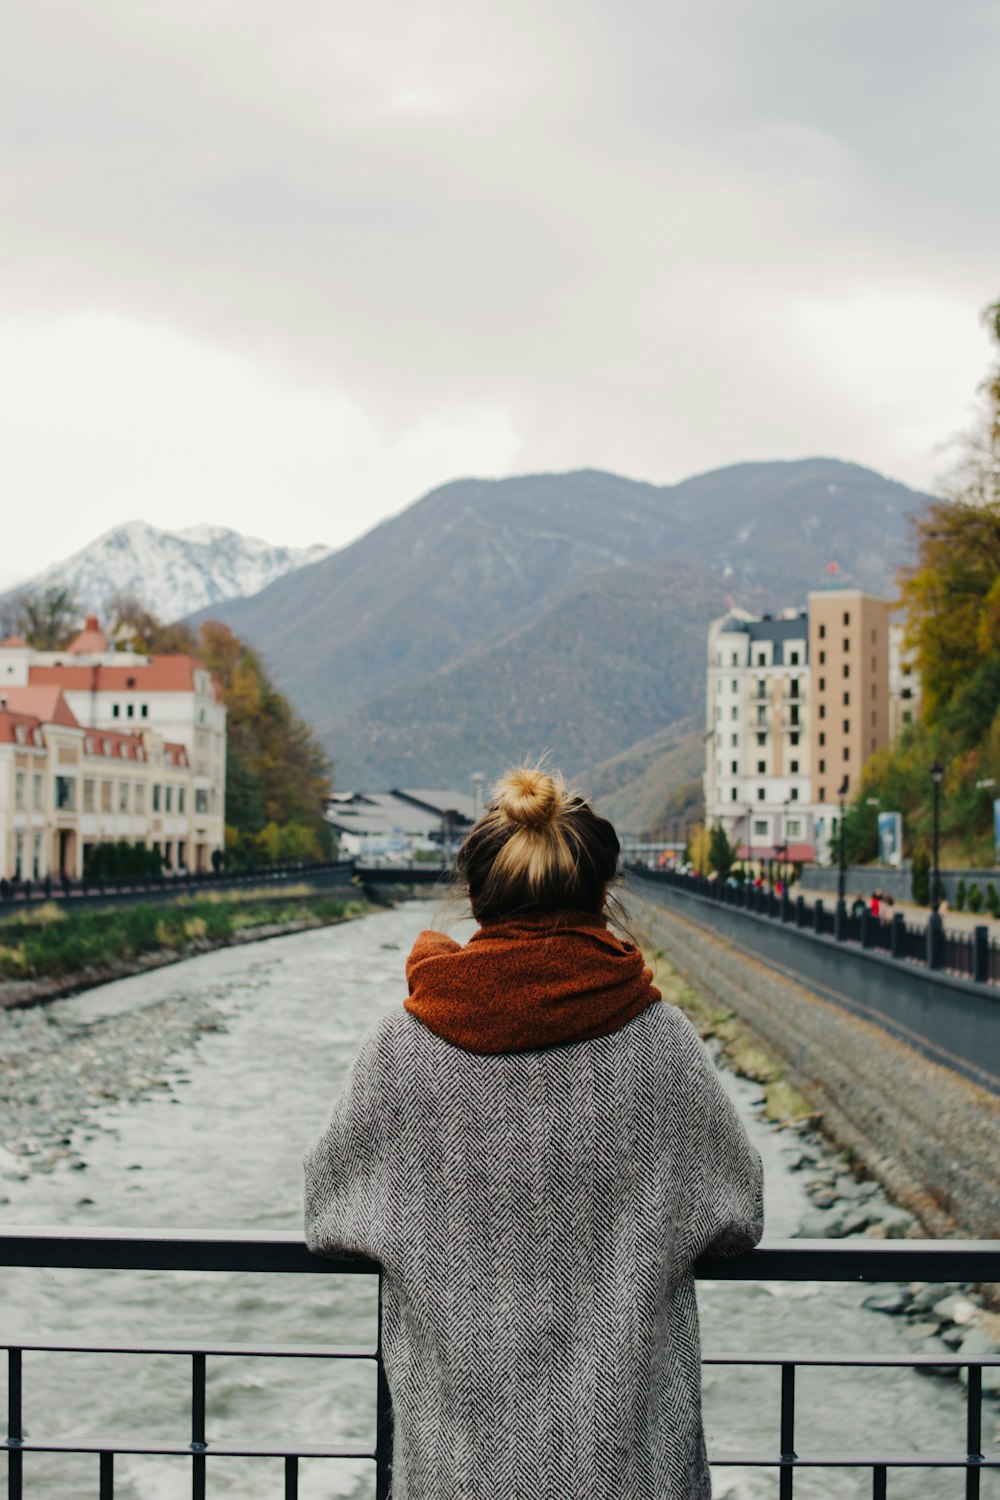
{"points": [[537, 1215]]}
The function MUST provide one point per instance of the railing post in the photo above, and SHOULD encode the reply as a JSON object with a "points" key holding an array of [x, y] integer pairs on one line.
{"points": [[981, 955], [15, 1429], [383, 1415], [800, 911], [868, 923], [935, 943], [897, 935], [788, 1455], [198, 1427], [974, 1431]]}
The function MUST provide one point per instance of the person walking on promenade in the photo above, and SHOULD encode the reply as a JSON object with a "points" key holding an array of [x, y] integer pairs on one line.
{"points": [[536, 1149]]}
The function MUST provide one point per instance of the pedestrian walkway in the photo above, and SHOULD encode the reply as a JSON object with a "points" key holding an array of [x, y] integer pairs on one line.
{"points": [[914, 916]]}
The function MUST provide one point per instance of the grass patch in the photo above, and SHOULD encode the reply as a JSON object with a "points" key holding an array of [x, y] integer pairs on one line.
{"points": [[76, 942], [742, 1051]]}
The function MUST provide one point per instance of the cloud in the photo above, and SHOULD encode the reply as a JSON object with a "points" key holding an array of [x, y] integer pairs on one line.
{"points": [[574, 233]]}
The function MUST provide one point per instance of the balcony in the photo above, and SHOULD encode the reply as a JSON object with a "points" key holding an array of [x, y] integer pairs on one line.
{"points": [[787, 1261]]}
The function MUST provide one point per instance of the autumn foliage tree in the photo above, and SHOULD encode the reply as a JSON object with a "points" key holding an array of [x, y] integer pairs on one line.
{"points": [[951, 595]]}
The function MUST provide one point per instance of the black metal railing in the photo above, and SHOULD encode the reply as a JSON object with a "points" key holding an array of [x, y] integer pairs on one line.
{"points": [[17, 895], [972, 956], [876, 1261]]}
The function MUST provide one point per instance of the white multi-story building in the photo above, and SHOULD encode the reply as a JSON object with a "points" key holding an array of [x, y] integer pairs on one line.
{"points": [[169, 706], [797, 702]]}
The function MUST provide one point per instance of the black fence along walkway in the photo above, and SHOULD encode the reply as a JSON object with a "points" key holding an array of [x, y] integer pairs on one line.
{"points": [[932, 1261]]}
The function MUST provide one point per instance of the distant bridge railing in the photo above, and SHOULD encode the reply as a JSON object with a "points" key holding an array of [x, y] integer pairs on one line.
{"points": [[18, 895], [795, 1260]]}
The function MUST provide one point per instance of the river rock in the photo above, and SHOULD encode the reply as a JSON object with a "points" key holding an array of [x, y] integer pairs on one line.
{"points": [[892, 1302], [817, 1225], [955, 1308], [915, 1333]]}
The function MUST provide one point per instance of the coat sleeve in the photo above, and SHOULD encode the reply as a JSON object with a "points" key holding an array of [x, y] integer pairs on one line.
{"points": [[722, 1199], [346, 1190]]}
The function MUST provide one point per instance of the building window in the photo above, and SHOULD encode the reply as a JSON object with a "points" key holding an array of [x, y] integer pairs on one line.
{"points": [[732, 794], [794, 713], [795, 658], [36, 857], [847, 753], [734, 712], [156, 796], [822, 632], [144, 711], [736, 659], [822, 710], [847, 669], [874, 718], [822, 794], [761, 768], [847, 645], [847, 617], [115, 710], [761, 715], [38, 791], [793, 828], [847, 726], [761, 688], [19, 797], [794, 768], [760, 794], [168, 798], [795, 687], [874, 636], [874, 664], [105, 796], [130, 711], [762, 658], [822, 684], [201, 799], [794, 794], [734, 740], [822, 658], [822, 767], [762, 739], [760, 826], [123, 796], [66, 793], [734, 686], [822, 736], [181, 799], [794, 737], [847, 700], [140, 796], [88, 795]]}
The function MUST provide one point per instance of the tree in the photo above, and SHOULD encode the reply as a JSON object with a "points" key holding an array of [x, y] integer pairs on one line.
{"points": [[721, 853], [135, 628], [49, 620]]}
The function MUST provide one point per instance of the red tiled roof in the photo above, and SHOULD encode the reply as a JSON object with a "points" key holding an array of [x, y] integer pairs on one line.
{"points": [[10, 722], [162, 674], [13, 643], [42, 701], [91, 638]]}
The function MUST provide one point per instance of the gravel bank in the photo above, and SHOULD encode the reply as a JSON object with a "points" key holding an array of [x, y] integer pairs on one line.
{"points": [[929, 1137]]}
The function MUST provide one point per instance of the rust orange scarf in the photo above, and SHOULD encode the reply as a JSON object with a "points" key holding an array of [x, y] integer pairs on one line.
{"points": [[528, 981]]}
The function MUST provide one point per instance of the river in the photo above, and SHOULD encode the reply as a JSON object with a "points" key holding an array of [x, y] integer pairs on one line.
{"points": [[215, 1141]]}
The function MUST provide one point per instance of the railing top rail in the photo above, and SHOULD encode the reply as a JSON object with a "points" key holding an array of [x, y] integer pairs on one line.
{"points": [[286, 1251]]}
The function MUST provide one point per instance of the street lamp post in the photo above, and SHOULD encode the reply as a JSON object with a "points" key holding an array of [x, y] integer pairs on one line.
{"points": [[934, 921], [841, 923]]}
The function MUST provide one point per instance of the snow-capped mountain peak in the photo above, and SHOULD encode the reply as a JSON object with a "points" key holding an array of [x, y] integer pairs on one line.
{"points": [[173, 573]]}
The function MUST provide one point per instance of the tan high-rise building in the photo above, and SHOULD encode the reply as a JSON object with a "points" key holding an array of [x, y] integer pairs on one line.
{"points": [[849, 669]]}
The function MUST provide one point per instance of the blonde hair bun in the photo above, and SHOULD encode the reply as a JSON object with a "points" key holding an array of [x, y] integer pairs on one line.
{"points": [[529, 797]]}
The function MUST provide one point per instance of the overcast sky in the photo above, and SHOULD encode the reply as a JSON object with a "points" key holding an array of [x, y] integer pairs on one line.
{"points": [[287, 266]]}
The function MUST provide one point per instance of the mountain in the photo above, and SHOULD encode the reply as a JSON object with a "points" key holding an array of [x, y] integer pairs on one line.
{"points": [[173, 573], [655, 784], [560, 612]]}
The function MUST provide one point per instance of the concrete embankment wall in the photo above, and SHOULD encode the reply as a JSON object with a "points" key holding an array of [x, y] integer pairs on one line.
{"points": [[926, 1132]]}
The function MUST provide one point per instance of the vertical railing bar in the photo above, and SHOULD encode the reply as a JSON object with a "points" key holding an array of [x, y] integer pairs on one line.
{"points": [[974, 1431], [878, 1481], [383, 1415], [198, 1426], [107, 1476], [291, 1477], [786, 1472], [15, 1428]]}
